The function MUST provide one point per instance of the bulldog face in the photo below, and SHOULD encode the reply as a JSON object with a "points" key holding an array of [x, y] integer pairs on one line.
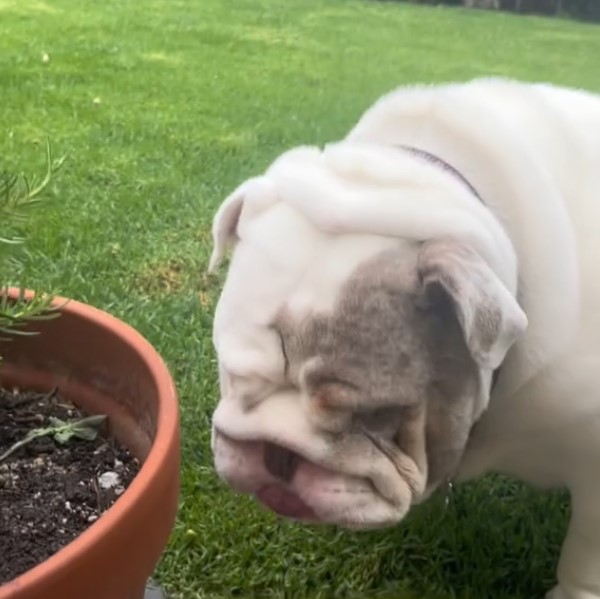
{"points": [[352, 365]]}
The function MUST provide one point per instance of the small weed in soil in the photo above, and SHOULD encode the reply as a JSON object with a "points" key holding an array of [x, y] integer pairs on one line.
{"points": [[50, 492]]}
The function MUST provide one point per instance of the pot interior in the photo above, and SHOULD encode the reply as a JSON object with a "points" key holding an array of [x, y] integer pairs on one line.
{"points": [[96, 364]]}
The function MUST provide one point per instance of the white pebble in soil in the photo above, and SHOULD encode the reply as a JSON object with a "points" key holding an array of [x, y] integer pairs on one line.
{"points": [[108, 480]]}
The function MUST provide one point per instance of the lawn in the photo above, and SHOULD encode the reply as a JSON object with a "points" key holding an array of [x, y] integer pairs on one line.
{"points": [[162, 107]]}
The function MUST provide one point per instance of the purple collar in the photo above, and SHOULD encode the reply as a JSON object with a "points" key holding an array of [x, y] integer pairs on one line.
{"points": [[437, 161]]}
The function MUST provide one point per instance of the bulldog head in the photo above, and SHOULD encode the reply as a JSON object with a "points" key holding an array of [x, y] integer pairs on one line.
{"points": [[356, 333]]}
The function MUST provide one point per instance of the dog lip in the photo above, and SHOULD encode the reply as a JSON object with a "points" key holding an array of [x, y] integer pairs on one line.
{"points": [[280, 461], [279, 499], [283, 469]]}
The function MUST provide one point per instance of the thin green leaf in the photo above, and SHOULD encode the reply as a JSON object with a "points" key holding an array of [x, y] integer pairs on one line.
{"points": [[63, 436], [95, 421], [86, 429], [85, 433], [57, 422], [17, 195]]}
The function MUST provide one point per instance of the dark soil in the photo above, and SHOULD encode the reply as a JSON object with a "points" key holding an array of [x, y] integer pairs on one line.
{"points": [[50, 493]]}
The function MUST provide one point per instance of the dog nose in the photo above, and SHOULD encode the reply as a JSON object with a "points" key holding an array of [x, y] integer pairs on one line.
{"points": [[280, 462]]}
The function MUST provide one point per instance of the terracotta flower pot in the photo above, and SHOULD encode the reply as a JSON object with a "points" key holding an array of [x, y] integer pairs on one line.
{"points": [[104, 366]]}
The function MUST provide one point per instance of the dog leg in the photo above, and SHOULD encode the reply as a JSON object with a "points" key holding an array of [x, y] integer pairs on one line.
{"points": [[579, 566]]}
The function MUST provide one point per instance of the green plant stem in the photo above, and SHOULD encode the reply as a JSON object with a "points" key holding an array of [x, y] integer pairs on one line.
{"points": [[31, 435], [84, 428]]}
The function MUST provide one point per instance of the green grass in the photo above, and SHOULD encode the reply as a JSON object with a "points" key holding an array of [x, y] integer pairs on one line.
{"points": [[163, 106]]}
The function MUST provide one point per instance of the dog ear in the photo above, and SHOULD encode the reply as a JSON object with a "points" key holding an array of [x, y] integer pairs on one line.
{"points": [[489, 315], [252, 196]]}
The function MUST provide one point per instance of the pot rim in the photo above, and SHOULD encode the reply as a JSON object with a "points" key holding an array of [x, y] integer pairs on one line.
{"points": [[167, 427]]}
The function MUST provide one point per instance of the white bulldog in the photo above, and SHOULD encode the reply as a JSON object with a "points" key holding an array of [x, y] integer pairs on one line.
{"points": [[416, 303]]}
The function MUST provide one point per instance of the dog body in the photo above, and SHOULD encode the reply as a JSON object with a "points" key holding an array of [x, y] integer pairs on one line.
{"points": [[416, 303]]}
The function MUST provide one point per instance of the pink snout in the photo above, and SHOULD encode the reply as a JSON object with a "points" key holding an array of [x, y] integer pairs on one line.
{"points": [[289, 484]]}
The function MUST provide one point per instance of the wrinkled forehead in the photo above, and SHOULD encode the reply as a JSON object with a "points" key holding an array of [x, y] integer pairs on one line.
{"points": [[283, 264]]}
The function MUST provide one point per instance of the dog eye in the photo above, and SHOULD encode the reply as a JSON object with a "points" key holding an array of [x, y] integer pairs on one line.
{"points": [[334, 394], [284, 352], [380, 418]]}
